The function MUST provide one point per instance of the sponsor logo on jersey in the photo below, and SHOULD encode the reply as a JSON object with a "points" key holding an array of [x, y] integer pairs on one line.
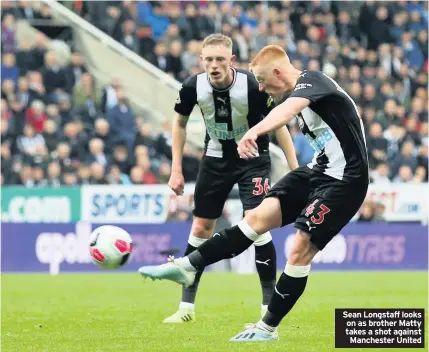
{"points": [[300, 86], [220, 130], [319, 143]]}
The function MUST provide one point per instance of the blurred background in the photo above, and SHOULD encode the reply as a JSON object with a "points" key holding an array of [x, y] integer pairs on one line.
{"points": [[88, 90]]}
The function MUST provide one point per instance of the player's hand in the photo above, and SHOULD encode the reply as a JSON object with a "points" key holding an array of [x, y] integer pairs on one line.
{"points": [[247, 147], [177, 183]]}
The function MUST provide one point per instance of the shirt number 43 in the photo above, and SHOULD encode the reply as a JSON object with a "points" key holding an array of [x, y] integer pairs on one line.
{"points": [[320, 215]]}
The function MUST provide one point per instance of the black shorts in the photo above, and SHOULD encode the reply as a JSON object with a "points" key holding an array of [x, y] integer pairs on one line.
{"points": [[217, 177], [318, 204]]}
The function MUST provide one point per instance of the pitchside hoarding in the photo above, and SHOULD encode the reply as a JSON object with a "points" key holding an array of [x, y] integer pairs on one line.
{"points": [[40, 205], [125, 204], [58, 248], [144, 204]]}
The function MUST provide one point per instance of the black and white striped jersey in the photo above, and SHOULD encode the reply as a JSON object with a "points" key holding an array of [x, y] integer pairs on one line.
{"points": [[332, 126], [228, 113]]}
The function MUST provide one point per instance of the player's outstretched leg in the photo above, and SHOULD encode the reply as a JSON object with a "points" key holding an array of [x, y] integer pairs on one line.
{"points": [[288, 290], [266, 266], [225, 244], [202, 229]]}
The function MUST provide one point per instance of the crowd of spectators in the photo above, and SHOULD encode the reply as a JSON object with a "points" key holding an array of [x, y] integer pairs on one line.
{"points": [[58, 129]]}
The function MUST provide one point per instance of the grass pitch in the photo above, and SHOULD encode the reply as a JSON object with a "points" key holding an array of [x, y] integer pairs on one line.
{"points": [[121, 312]]}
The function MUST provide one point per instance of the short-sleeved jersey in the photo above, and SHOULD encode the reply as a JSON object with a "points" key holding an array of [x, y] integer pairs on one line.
{"points": [[332, 126], [228, 113]]}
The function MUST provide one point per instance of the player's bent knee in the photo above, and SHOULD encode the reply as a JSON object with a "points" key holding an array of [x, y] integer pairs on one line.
{"points": [[266, 216], [255, 221], [264, 239], [202, 228], [303, 250]]}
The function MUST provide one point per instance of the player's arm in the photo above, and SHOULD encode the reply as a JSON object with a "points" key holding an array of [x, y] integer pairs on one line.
{"points": [[285, 141], [281, 115], [178, 141], [184, 105]]}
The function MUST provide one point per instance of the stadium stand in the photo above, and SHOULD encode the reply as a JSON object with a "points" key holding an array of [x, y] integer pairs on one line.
{"points": [[58, 129]]}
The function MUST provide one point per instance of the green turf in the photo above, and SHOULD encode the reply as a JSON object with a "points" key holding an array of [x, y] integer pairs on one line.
{"points": [[121, 312]]}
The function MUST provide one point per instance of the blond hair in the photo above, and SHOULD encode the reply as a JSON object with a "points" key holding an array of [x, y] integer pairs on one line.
{"points": [[269, 54], [217, 39]]}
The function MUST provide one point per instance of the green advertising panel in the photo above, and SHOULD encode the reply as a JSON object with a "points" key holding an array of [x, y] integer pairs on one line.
{"points": [[40, 205]]}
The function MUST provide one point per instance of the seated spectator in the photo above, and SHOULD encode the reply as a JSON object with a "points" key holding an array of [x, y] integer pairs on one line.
{"points": [[84, 174], [174, 65], [121, 159], [62, 155], [54, 174], [52, 113], [36, 87], [65, 108], [54, 77], [28, 142], [102, 129], [148, 177], [24, 95], [109, 98], [25, 176], [164, 172], [129, 36], [9, 70], [39, 177], [7, 163], [24, 59], [70, 178], [422, 159], [145, 137], [50, 135], [159, 57], [420, 175], [379, 210], [98, 175], [7, 137], [366, 212], [27, 11], [75, 69], [40, 157], [8, 90], [136, 175], [8, 36], [377, 145], [381, 174], [86, 100], [76, 139], [116, 177], [96, 152], [407, 157], [122, 120], [35, 115]]}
